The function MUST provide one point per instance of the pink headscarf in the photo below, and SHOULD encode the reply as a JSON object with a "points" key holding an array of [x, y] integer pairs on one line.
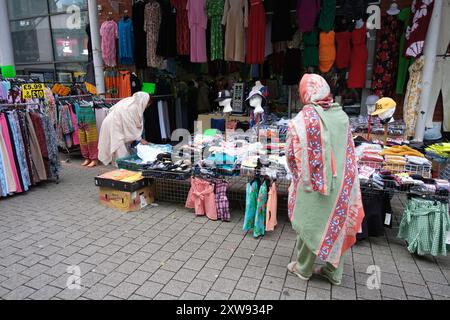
{"points": [[314, 89]]}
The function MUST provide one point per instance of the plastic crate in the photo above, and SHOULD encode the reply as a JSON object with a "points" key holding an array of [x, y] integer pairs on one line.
{"points": [[124, 163]]}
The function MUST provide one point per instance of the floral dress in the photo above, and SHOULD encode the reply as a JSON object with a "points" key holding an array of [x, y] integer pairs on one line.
{"points": [[387, 52], [215, 10], [151, 27]]}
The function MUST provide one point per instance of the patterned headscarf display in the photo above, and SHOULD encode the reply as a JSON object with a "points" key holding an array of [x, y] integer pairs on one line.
{"points": [[314, 89]]}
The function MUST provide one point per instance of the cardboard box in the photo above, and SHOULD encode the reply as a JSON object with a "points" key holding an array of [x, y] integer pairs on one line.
{"points": [[127, 201]]}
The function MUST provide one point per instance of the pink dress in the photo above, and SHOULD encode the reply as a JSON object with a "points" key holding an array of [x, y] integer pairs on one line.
{"points": [[198, 22], [7, 139], [109, 34]]}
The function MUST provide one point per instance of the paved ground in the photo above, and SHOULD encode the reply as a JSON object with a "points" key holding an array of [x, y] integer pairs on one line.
{"points": [[166, 253]]}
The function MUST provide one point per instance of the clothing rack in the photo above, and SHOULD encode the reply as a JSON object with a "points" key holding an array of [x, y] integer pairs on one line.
{"points": [[21, 104]]}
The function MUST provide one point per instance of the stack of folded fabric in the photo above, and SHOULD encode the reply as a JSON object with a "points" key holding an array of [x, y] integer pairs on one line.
{"points": [[377, 181], [402, 151], [404, 179], [439, 149], [365, 173]]}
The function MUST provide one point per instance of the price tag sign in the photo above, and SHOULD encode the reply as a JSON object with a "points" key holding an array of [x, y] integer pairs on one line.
{"points": [[448, 238], [387, 220], [143, 202], [33, 90]]}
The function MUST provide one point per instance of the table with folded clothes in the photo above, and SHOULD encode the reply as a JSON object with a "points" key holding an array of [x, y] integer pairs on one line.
{"points": [[439, 153]]}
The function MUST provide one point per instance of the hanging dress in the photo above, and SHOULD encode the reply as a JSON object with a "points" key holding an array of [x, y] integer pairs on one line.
{"points": [[109, 33], [311, 52], [343, 49], [215, 13], [327, 51], [151, 27], [198, 22], [235, 18], [256, 35], [182, 27], [386, 58], [359, 58]]}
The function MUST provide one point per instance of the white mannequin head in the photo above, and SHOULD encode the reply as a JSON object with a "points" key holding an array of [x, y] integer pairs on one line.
{"points": [[226, 104], [256, 102]]}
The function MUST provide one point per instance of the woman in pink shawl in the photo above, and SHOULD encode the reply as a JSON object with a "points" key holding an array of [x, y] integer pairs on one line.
{"points": [[325, 205], [123, 125]]}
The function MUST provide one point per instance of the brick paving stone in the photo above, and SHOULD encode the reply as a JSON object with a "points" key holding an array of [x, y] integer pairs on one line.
{"points": [[19, 293], [417, 291], [15, 281], [216, 263], [439, 289], [342, 293], [365, 293], [317, 294], [162, 276], [224, 285], [248, 284], [124, 290], [172, 265], [254, 272], [276, 271], [194, 264], [45, 293], [199, 286], [175, 288], [185, 275], [40, 281], [208, 274], [216, 295], [266, 294], [292, 294], [231, 273], [239, 263], [272, 283], [393, 292], [138, 277], [242, 295], [432, 276], [114, 278], [149, 289], [191, 296], [98, 292]]}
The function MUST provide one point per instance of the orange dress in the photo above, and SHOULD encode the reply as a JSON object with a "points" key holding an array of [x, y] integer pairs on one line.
{"points": [[327, 51]]}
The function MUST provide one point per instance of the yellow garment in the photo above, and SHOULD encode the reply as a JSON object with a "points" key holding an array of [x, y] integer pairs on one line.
{"points": [[402, 151], [411, 105]]}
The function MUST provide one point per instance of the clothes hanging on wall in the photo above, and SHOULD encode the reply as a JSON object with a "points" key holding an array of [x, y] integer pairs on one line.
{"points": [[416, 33], [327, 51], [87, 132], [198, 23], [167, 45], [359, 59], [403, 62], [343, 49], [256, 33], [152, 24], [183, 46], [386, 56], [411, 106], [281, 22], [235, 18], [307, 14], [109, 33], [311, 51], [215, 10], [126, 41], [140, 37], [124, 84], [327, 15]]}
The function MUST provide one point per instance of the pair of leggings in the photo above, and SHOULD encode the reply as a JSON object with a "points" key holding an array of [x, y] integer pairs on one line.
{"points": [[306, 259], [201, 197], [87, 133]]}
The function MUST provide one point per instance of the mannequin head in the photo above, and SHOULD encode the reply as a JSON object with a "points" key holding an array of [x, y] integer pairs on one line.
{"points": [[226, 105], [256, 102]]}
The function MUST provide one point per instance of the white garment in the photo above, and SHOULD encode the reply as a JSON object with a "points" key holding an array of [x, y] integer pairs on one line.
{"points": [[441, 75], [162, 123]]}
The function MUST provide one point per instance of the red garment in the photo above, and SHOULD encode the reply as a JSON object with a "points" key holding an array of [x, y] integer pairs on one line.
{"points": [[256, 40], [183, 45], [344, 49], [417, 30], [359, 58]]}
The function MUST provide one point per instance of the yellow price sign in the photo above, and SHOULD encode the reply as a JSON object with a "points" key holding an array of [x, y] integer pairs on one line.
{"points": [[33, 90]]}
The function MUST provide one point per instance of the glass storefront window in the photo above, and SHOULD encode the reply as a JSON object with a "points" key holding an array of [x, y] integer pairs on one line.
{"points": [[31, 40], [61, 6], [70, 72], [26, 8], [70, 37]]}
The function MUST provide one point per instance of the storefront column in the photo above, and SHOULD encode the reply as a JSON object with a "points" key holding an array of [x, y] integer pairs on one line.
{"points": [[430, 52], [96, 46], [6, 51]]}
